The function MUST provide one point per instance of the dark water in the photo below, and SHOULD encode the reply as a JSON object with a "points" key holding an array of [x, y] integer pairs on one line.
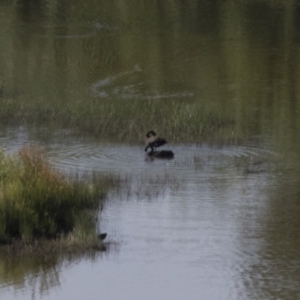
{"points": [[217, 222]]}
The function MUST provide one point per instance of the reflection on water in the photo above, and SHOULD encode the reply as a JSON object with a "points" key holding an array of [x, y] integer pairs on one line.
{"points": [[38, 271]]}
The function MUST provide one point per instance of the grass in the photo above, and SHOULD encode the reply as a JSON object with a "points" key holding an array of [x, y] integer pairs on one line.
{"points": [[125, 120], [37, 201]]}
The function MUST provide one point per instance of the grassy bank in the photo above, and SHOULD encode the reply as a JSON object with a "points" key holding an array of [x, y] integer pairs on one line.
{"points": [[37, 201], [125, 120]]}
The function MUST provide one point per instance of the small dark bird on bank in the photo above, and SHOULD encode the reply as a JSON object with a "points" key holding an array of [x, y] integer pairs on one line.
{"points": [[102, 236], [153, 142]]}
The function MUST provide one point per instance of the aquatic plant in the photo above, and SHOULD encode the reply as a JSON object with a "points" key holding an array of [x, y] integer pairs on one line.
{"points": [[183, 121], [36, 200]]}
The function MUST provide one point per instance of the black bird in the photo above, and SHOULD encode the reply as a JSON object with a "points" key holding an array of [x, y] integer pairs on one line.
{"points": [[153, 142]]}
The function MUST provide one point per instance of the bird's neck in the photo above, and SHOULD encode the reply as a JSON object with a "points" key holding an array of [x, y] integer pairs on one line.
{"points": [[151, 150]]}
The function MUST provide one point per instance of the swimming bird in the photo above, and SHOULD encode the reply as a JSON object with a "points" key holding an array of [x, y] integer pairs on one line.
{"points": [[152, 142]]}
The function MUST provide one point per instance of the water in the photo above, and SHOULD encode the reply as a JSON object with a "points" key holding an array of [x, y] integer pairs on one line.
{"points": [[216, 222], [199, 224]]}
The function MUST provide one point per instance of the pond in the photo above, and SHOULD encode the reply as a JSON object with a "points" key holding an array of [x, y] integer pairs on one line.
{"points": [[210, 221], [221, 219]]}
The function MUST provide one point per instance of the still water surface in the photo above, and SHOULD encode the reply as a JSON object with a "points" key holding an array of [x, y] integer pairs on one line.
{"points": [[199, 226], [215, 222]]}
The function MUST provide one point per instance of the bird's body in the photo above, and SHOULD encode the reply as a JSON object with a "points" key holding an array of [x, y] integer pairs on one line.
{"points": [[156, 143], [168, 154]]}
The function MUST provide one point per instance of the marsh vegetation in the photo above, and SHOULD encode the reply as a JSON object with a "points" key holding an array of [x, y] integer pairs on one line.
{"points": [[38, 201], [123, 120]]}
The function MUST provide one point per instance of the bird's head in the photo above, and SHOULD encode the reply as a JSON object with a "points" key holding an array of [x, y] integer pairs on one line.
{"points": [[150, 137], [150, 133]]}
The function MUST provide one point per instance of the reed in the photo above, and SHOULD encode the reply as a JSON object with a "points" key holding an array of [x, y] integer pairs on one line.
{"points": [[37, 201], [125, 120]]}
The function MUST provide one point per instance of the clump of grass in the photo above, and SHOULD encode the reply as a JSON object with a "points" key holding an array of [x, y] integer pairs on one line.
{"points": [[37, 201]]}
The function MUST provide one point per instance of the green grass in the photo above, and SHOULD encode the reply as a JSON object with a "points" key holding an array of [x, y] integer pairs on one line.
{"points": [[125, 120], [37, 201]]}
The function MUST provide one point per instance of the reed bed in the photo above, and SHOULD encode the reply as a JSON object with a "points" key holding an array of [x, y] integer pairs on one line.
{"points": [[125, 120], [37, 201]]}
